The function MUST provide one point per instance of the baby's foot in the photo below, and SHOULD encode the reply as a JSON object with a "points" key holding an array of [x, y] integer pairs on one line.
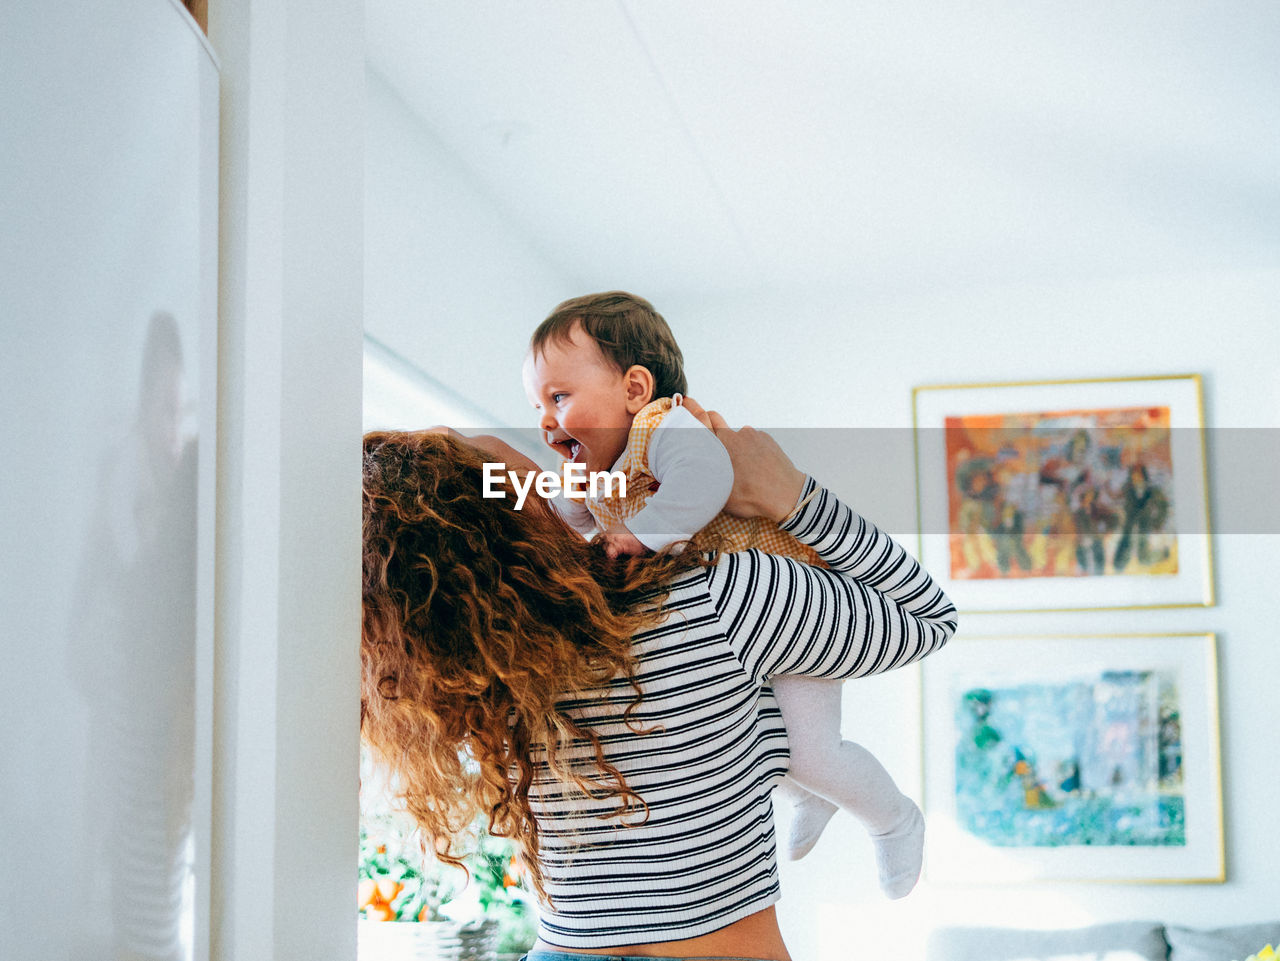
{"points": [[899, 854], [809, 816]]}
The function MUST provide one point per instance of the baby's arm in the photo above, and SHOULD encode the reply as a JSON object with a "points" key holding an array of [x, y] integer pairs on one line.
{"points": [[694, 478], [573, 511]]}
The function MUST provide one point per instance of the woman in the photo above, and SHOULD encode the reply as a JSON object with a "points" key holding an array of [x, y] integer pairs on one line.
{"points": [[614, 717]]}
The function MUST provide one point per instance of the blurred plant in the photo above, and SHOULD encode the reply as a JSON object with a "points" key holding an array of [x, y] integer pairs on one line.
{"points": [[397, 881], [495, 872], [400, 881]]}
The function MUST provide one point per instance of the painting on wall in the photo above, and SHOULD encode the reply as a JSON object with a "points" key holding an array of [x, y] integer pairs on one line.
{"points": [[1073, 758], [1066, 494]]}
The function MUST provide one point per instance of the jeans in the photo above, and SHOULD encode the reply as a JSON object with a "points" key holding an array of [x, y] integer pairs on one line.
{"points": [[539, 955]]}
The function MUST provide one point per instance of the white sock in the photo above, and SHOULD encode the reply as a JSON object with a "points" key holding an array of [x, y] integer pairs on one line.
{"points": [[845, 774], [809, 816], [900, 853]]}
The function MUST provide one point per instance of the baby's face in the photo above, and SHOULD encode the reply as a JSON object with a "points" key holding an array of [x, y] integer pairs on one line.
{"points": [[581, 399]]}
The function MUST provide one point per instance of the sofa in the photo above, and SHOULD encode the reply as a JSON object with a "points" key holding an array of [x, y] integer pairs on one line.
{"points": [[1120, 941]]}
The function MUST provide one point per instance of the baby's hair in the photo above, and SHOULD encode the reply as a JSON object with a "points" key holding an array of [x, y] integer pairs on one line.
{"points": [[627, 329]]}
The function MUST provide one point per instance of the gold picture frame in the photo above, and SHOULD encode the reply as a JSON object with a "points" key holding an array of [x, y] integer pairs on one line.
{"points": [[1073, 758], [1065, 495]]}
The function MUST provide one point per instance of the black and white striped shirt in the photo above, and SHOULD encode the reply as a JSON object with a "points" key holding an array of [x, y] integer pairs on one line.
{"points": [[715, 744]]}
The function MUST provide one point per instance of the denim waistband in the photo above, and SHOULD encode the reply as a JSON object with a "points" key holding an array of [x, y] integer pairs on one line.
{"points": [[566, 956]]}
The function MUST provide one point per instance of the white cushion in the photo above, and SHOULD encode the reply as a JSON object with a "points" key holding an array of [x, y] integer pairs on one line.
{"points": [[1123, 941]]}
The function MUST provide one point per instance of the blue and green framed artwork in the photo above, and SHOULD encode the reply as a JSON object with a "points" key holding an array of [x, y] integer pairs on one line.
{"points": [[1073, 757]]}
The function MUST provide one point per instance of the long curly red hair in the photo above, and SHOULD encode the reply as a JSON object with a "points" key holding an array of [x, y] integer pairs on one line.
{"points": [[478, 620]]}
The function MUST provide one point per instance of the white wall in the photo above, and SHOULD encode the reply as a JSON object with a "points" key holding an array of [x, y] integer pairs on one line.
{"points": [[450, 283], [835, 361], [286, 754], [108, 275]]}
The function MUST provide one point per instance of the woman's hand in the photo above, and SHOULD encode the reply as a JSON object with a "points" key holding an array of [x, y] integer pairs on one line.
{"points": [[765, 482]]}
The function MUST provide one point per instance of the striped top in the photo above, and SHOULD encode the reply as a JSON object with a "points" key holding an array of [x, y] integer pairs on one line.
{"points": [[706, 744]]}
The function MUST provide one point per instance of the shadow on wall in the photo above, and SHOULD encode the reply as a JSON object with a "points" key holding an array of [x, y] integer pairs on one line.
{"points": [[131, 656]]}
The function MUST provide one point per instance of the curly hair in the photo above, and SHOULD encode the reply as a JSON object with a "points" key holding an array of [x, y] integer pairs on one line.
{"points": [[478, 620]]}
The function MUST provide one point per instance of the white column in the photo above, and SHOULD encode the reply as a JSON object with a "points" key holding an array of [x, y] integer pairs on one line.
{"points": [[286, 696]]}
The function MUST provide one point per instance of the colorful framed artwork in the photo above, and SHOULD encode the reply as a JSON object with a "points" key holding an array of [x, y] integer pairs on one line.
{"points": [[1073, 758], [1065, 495]]}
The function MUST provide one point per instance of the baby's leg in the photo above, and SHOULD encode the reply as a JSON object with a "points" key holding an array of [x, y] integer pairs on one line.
{"points": [[807, 706], [809, 816], [849, 775]]}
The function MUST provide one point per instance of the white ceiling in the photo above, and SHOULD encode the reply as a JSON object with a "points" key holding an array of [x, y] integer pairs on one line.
{"points": [[714, 147]]}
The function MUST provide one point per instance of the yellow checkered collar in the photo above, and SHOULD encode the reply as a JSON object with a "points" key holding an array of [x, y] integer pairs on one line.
{"points": [[634, 460]]}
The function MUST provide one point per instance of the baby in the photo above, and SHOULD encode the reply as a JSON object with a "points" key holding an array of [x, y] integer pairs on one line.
{"points": [[607, 377]]}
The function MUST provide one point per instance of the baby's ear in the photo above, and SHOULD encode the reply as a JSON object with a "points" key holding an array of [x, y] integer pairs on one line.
{"points": [[640, 385]]}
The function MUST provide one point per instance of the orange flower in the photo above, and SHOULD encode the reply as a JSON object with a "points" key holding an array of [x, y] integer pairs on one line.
{"points": [[379, 912], [511, 878]]}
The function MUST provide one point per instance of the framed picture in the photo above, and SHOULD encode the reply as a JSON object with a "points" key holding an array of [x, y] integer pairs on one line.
{"points": [[1073, 758], [1065, 495]]}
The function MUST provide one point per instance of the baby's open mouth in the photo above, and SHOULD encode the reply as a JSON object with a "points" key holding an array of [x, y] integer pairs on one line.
{"points": [[568, 448]]}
